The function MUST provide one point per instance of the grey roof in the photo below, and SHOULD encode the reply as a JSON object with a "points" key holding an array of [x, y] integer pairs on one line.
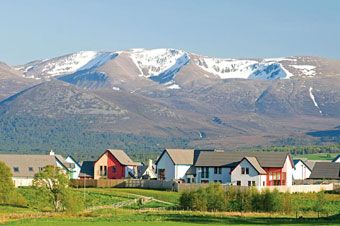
{"points": [[326, 170], [191, 170], [179, 156], [87, 169], [122, 157], [25, 162], [309, 164], [63, 161], [231, 159], [253, 161]]}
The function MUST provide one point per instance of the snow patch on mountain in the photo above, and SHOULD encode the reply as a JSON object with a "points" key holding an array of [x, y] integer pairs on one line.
{"points": [[313, 99], [268, 69], [160, 65], [308, 70]]}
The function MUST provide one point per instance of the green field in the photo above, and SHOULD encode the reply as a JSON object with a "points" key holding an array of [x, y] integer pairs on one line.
{"points": [[159, 211], [317, 156]]}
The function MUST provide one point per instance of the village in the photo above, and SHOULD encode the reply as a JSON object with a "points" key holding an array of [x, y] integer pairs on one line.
{"points": [[183, 169]]}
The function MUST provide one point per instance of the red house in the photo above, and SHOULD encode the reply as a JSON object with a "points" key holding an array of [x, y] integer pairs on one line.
{"points": [[114, 164]]}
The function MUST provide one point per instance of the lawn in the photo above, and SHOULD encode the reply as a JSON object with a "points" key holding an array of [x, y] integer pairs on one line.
{"points": [[169, 218], [317, 156]]}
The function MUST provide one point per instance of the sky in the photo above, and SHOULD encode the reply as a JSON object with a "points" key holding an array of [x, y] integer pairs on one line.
{"points": [[35, 29]]}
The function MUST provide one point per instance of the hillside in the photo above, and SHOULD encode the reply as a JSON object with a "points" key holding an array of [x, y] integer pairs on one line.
{"points": [[143, 100]]}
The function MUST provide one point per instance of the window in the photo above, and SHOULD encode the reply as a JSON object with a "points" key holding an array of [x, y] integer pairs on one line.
{"points": [[253, 183], [30, 169], [16, 169], [161, 174], [113, 169], [188, 180], [264, 183], [103, 170], [249, 183], [243, 170], [41, 169], [205, 172], [238, 183], [217, 170], [247, 170]]}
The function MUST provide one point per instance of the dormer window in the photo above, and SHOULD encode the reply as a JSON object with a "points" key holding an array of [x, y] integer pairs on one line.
{"points": [[30, 169], [16, 169]]}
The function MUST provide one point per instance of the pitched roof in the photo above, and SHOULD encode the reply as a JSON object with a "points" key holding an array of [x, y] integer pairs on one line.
{"points": [[307, 163], [326, 170], [191, 170], [87, 169], [336, 158], [122, 157], [253, 161], [25, 162], [231, 159], [179, 156], [63, 161]]}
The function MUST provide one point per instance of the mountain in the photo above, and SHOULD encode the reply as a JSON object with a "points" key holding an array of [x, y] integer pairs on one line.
{"points": [[143, 100]]}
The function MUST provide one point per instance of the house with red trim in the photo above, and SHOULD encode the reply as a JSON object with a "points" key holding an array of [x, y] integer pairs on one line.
{"points": [[114, 164], [245, 168]]}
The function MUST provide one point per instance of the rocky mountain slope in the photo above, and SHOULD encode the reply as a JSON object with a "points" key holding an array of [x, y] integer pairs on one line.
{"points": [[147, 99]]}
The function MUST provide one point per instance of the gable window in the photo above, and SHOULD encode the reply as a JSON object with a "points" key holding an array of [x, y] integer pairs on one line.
{"points": [[245, 170], [30, 169], [16, 169], [113, 169], [161, 174]]}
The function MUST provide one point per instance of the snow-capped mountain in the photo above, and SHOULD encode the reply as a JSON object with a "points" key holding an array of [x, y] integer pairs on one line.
{"points": [[63, 65]]}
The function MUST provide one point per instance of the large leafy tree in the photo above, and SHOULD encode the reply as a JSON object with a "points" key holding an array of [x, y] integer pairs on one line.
{"points": [[52, 183], [6, 183]]}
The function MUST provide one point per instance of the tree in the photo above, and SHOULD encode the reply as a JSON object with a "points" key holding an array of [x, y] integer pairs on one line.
{"points": [[53, 184], [319, 206], [6, 183]]}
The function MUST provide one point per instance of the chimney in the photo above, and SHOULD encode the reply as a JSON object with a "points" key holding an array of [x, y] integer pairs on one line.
{"points": [[51, 152]]}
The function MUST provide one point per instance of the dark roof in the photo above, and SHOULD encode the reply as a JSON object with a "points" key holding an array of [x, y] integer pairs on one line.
{"points": [[253, 161], [336, 158], [231, 159], [191, 170], [87, 169], [326, 170], [25, 162]]}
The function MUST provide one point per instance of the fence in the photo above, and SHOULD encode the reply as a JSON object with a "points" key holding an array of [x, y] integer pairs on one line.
{"points": [[125, 183]]}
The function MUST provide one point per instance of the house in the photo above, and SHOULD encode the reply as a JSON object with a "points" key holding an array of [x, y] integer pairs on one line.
{"points": [[326, 171], [245, 168], [147, 171], [172, 164], [336, 159], [302, 169], [87, 170], [74, 172], [115, 164], [24, 167]]}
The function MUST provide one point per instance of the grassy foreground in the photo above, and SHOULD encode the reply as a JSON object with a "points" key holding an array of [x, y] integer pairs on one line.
{"points": [[169, 218]]}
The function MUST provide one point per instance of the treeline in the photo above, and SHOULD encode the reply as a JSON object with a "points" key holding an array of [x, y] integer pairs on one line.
{"points": [[215, 198], [300, 150]]}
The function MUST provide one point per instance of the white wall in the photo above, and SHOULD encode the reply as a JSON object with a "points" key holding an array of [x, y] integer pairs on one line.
{"points": [[22, 181], [76, 170], [166, 163], [289, 169], [180, 171], [224, 176], [301, 172], [236, 174]]}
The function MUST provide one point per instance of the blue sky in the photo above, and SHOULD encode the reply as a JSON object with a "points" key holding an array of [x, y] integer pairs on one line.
{"points": [[245, 28]]}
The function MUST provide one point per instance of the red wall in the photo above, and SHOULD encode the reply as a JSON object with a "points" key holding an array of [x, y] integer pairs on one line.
{"points": [[273, 170], [120, 169]]}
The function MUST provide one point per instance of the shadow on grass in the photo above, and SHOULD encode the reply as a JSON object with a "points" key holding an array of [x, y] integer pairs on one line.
{"points": [[215, 220]]}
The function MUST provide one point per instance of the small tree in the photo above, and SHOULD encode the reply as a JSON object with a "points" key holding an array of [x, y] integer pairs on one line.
{"points": [[53, 183], [6, 183], [319, 205]]}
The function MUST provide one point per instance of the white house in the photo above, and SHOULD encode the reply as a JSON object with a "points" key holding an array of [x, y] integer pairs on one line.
{"points": [[245, 168], [248, 172], [301, 170], [172, 164]]}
